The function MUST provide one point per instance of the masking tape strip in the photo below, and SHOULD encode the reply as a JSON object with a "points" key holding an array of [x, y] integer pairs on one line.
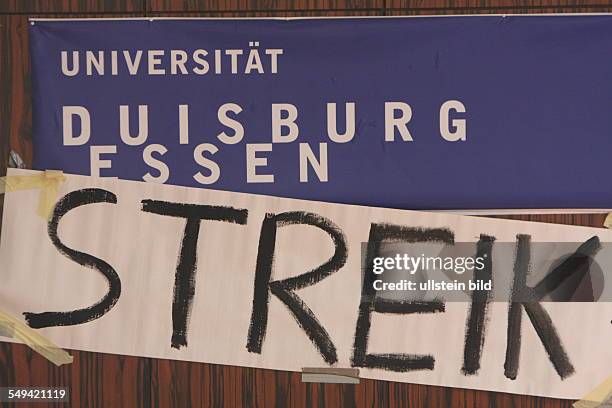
{"points": [[34, 340], [608, 221], [330, 375], [597, 397], [48, 182]]}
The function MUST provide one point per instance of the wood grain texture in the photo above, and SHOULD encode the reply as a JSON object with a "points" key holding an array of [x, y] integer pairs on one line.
{"points": [[5, 117], [4, 98], [97, 379], [70, 6], [491, 6], [18, 87], [104, 380], [264, 5], [434, 11]]}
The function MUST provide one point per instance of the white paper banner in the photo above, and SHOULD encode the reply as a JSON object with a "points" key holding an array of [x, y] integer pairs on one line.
{"points": [[139, 237]]}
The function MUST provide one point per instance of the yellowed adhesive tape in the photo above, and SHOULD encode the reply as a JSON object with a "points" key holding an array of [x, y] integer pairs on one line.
{"points": [[49, 183], [330, 375], [608, 221], [597, 397], [12, 327]]}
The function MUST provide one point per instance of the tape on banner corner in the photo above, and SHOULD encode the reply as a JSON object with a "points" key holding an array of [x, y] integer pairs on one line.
{"points": [[600, 397], [49, 183], [13, 328], [608, 221]]}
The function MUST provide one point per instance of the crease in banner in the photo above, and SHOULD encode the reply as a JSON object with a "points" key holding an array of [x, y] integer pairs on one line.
{"points": [[49, 183]]}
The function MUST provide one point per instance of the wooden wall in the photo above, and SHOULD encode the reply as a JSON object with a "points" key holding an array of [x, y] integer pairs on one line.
{"points": [[113, 381]]}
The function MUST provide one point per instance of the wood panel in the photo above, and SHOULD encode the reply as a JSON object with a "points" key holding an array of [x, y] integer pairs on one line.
{"points": [[70, 6], [498, 6], [17, 87], [375, 7], [97, 379], [266, 6], [4, 95], [4, 104], [104, 380]]}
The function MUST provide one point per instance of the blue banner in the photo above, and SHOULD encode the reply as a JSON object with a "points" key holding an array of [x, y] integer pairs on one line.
{"points": [[416, 113]]}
